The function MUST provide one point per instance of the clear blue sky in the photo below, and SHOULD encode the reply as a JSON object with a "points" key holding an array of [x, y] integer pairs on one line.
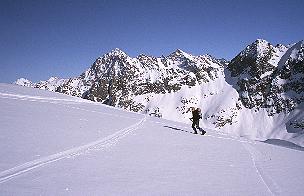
{"points": [[40, 39]]}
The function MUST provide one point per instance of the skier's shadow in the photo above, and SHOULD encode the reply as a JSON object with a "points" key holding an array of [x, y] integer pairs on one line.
{"points": [[177, 129]]}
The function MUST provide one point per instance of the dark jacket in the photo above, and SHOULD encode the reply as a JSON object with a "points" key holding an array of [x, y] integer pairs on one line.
{"points": [[196, 115]]}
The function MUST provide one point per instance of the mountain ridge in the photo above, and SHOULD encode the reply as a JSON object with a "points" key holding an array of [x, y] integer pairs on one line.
{"points": [[262, 82]]}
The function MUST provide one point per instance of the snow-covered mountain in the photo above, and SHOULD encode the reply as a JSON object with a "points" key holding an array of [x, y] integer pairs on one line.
{"points": [[259, 94], [270, 77], [55, 144], [51, 84], [24, 82]]}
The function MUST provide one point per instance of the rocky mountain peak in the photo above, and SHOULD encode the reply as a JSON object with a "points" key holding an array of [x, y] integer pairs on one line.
{"points": [[114, 54], [52, 79], [261, 41], [257, 59], [179, 51], [257, 49], [281, 46], [23, 82], [117, 52], [112, 62], [269, 77], [180, 55], [209, 59]]}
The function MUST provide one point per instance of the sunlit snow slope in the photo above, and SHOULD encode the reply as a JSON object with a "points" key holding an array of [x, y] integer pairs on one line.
{"points": [[54, 144]]}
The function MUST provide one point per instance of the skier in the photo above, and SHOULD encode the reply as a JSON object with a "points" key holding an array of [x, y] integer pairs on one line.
{"points": [[196, 116]]}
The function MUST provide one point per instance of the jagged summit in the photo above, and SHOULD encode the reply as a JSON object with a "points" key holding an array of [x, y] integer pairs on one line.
{"points": [[256, 48], [23, 82], [179, 52], [115, 53], [107, 60], [180, 56], [258, 59], [53, 78], [261, 41]]}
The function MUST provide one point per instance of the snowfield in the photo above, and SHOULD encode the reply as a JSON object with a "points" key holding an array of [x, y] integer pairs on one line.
{"points": [[54, 144]]}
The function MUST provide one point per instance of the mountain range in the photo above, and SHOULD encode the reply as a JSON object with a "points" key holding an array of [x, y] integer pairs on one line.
{"points": [[259, 94]]}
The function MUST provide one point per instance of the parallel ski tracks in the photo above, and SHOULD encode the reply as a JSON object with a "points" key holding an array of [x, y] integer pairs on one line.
{"points": [[101, 144]]}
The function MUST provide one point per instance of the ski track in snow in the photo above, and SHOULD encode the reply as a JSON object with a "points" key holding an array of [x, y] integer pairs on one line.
{"points": [[101, 144], [257, 158]]}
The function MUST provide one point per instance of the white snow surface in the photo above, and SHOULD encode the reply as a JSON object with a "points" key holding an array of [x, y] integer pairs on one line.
{"points": [[54, 144]]}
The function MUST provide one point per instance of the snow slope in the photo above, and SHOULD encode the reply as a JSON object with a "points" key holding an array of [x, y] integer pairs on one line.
{"points": [[54, 144]]}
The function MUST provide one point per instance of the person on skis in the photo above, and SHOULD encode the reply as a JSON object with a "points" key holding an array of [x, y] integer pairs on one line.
{"points": [[196, 116]]}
